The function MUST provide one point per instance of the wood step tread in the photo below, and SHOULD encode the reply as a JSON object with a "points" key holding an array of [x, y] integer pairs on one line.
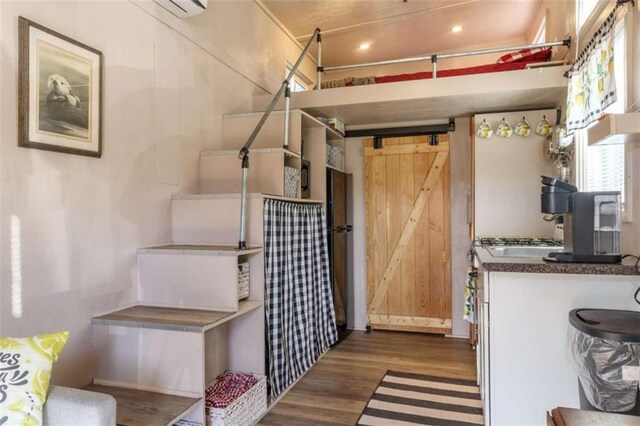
{"points": [[234, 152], [236, 195], [177, 319], [208, 249], [136, 407]]}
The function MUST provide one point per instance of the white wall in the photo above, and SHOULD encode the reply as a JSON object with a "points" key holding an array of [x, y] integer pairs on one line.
{"points": [[507, 179], [73, 223], [460, 181]]}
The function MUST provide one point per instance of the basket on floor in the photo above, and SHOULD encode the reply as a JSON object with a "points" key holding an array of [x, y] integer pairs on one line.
{"points": [[243, 280], [236, 399]]}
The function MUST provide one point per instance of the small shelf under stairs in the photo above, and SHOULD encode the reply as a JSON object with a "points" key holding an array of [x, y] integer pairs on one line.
{"points": [[179, 319], [140, 408]]}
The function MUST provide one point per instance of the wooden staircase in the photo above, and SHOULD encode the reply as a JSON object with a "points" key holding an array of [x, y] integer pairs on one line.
{"points": [[157, 356]]}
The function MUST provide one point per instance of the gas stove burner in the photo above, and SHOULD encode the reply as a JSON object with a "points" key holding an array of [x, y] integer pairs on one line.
{"points": [[523, 241]]}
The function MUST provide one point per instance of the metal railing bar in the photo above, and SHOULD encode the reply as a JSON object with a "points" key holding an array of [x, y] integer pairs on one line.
{"points": [[566, 42], [244, 151], [319, 62], [276, 98], [287, 103]]}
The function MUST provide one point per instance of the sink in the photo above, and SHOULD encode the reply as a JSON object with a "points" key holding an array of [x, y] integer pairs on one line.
{"points": [[521, 251]]}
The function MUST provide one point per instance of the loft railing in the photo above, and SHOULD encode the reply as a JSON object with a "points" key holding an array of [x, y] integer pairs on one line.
{"points": [[434, 58], [244, 152]]}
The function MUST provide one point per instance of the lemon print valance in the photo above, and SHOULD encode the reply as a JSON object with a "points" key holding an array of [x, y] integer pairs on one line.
{"points": [[592, 85]]}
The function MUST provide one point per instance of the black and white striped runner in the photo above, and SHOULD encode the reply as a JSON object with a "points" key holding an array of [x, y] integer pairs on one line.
{"points": [[416, 399]]}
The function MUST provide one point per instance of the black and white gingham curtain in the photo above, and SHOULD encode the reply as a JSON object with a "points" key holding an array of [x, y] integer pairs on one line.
{"points": [[300, 318]]}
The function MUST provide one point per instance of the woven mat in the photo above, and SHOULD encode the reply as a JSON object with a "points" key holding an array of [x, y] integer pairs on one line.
{"points": [[416, 399]]}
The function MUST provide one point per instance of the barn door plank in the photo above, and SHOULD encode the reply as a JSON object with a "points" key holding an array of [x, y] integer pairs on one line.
{"points": [[398, 251]]}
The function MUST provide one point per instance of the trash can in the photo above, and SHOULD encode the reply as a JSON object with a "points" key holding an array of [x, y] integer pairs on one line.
{"points": [[605, 351]]}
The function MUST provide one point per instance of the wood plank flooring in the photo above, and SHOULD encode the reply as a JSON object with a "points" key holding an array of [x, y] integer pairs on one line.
{"points": [[337, 388]]}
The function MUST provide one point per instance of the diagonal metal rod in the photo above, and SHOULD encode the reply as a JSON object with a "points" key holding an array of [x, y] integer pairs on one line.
{"points": [[277, 96], [244, 152]]}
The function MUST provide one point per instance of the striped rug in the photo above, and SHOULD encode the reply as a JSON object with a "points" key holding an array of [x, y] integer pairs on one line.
{"points": [[415, 399]]}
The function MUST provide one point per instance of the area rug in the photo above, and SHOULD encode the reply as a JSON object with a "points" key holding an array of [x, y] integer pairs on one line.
{"points": [[416, 399]]}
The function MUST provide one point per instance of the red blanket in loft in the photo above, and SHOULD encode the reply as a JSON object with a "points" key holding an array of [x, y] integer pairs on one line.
{"points": [[480, 69]]}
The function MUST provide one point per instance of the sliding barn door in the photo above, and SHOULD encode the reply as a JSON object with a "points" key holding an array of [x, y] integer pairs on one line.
{"points": [[408, 234]]}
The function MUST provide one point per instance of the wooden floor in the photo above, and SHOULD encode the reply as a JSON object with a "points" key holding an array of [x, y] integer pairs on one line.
{"points": [[336, 389]]}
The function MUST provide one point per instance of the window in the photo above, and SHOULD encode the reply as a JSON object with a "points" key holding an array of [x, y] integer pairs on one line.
{"points": [[584, 9], [298, 83], [602, 168], [541, 35]]}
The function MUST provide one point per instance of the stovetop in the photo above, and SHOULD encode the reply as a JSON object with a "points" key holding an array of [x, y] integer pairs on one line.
{"points": [[509, 241]]}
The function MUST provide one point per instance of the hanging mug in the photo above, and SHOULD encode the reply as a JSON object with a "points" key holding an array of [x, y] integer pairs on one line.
{"points": [[504, 129], [522, 128], [484, 130], [544, 128]]}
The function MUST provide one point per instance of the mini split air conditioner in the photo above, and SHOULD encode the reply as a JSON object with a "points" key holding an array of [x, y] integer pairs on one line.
{"points": [[183, 8]]}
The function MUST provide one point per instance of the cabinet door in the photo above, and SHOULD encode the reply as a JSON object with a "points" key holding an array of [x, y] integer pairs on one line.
{"points": [[483, 343]]}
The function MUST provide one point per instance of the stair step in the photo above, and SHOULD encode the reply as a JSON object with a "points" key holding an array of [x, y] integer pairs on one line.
{"points": [[234, 152], [177, 319], [136, 407], [198, 249]]}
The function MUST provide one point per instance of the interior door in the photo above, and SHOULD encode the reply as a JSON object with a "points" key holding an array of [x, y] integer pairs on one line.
{"points": [[407, 205]]}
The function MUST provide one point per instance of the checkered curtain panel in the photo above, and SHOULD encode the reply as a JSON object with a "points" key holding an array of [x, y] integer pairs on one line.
{"points": [[300, 318]]}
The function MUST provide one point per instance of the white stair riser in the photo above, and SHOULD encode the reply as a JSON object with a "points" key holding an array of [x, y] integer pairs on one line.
{"points": [[155, 360], [222, 174], [188, 280], [208, 220]]}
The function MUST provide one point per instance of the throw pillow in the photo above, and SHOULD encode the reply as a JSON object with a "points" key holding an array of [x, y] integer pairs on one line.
{"points": [[25, 370], [538, 54]]}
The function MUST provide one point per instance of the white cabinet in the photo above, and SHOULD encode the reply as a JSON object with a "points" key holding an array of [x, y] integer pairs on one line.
{"points": [[523, 339]]}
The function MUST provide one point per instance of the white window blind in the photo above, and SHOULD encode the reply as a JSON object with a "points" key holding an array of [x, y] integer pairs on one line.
{"points": [[604, 168]]}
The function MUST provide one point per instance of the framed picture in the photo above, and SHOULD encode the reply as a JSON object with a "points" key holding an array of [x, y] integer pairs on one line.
{"points": [[60, 92]]}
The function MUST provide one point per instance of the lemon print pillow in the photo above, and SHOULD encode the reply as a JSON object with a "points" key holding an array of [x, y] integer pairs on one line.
{"points": [[25, 370]]}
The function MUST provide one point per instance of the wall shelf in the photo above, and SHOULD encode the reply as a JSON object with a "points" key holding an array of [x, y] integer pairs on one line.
{"points": [[615, 129]]}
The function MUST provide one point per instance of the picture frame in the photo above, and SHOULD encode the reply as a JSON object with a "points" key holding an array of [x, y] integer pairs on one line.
{"points": [[60, 92]]}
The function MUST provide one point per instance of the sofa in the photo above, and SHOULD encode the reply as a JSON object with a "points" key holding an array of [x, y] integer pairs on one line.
{"points": [[67, 407]]}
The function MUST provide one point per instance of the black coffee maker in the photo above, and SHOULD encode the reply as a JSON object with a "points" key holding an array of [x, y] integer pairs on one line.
{"points": [[591, 222]]}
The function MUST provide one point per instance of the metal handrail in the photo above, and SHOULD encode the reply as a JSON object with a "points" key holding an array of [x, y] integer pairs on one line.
{"points": [[243, 155], [434, 58]]}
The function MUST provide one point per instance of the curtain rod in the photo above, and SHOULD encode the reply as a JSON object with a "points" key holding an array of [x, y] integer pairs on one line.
{"points": [[588, 46]]}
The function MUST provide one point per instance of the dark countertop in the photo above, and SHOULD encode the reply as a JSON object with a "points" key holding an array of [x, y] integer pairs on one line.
{"points": [[533, 265]]}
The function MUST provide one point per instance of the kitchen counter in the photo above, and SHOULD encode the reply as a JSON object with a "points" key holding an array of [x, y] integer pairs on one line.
{"points": [[533, 265]]}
